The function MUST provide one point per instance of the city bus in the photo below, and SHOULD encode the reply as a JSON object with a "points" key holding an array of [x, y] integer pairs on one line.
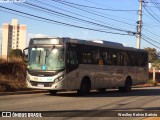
{"points": [[57, 64]]}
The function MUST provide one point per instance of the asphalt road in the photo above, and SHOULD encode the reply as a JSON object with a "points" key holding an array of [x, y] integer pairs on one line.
{"points": [[101, 105]]}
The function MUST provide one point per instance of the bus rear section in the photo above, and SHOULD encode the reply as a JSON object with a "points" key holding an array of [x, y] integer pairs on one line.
{"points": [[102, 67]]}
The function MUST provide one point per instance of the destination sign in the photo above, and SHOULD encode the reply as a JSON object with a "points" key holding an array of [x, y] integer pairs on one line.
{"points": [[46, 41]]}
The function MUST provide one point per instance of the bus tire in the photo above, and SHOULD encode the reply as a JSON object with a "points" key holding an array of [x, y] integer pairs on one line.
{"points": [[52, 92], [127, 87], [85, 87], [102, 90]]}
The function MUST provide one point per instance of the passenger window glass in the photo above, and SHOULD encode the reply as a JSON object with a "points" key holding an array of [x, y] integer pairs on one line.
{"points": [[72, 59]]}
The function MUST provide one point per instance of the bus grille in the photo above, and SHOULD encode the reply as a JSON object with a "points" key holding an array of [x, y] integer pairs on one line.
{"points": [[46, 84]]}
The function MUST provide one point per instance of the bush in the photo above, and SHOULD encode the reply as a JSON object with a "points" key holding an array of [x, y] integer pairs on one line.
{"points": [[9, 84], [12, 75], [15, 53], [2, 60], [153, 83]]}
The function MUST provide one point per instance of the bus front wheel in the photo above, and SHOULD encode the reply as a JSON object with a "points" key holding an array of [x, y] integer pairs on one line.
{"points": [[52, 92], [84, 88]]}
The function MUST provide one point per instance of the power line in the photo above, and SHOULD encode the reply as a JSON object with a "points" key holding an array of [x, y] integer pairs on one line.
{"points": [[150, 42], [61, 14], [93, 13], [151, 39], [151, 32], [107, 7], [27, 17], [46, 19], [93, 23], [76, 13], [156, 5], [46, 12], [115, 10], [150, 13], [95, 3], [153, 2]]}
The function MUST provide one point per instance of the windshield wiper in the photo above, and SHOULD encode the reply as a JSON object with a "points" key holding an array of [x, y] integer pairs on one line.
{"points": [[39, 57], [46, 55]]}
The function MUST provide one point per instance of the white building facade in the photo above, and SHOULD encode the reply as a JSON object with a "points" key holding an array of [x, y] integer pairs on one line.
{"points": [[13, 37]]}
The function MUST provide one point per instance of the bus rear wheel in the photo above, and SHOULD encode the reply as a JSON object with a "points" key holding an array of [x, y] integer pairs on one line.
{"points": [[84, 88], [52, 92], [127, 87]]}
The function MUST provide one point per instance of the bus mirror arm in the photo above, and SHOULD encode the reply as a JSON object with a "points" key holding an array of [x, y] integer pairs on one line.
{"points": [[68, 45]]}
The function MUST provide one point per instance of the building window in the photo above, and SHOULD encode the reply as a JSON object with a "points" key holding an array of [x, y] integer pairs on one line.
{"points": [[10, 30]]}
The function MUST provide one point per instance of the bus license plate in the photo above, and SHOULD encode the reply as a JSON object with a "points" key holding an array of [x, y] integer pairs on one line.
{"points": [[40, 85]]}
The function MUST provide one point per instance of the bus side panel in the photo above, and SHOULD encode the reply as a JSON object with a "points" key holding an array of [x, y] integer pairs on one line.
{"points": [[110, 77], [71, 79], [142, 75], [85, 70], [105, 76], [120, 74], [75, 77]]}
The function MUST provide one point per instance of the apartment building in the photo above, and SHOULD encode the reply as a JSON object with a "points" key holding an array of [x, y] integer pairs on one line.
{"points": [[13, 37]]}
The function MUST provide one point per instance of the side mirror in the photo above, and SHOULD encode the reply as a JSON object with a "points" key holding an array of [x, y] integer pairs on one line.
{"points": [[25, 54]]}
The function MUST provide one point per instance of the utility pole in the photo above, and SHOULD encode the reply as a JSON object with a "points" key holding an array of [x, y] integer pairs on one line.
{"points": [[139, 25]]}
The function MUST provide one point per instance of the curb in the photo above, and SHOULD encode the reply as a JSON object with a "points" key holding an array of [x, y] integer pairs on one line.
{"points": [[145, 85], [45, 91], [23, 92]]}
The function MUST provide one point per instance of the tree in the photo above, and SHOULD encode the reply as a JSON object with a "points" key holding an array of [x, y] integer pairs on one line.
{"points": [[15, 53], [156, 64], [152, 54], [153, 58]]}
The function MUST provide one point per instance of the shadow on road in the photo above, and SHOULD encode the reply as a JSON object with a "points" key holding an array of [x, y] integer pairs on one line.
{"points": [[148, 91]]}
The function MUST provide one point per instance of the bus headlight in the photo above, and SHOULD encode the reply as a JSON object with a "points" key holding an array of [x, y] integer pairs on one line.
{"points": [[59, 79]]}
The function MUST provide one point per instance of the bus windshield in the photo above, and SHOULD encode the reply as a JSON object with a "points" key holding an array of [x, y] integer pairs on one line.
{"points": [[46, 59]]}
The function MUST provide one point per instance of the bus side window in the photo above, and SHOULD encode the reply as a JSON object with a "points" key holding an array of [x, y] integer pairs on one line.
{"points": [[72, 59], [140, 59], [119, 62], [124, 58], [85, 54], [145, 59], [132, 58], [114, 58], [106, 56]]}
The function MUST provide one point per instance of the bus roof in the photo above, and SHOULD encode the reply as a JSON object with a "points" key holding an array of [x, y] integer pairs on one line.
{"points": [[100, 43], [103, 43]]}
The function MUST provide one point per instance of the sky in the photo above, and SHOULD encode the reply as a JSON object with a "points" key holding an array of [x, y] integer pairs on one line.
{"points": [[113, 16]]}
